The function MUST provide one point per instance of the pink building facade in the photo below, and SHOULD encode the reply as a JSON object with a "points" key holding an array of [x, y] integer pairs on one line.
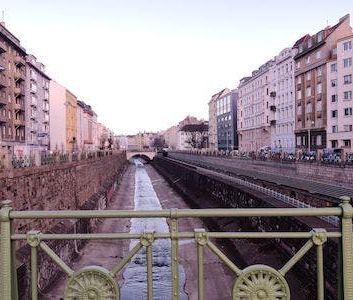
{"points": [[340, 97]]}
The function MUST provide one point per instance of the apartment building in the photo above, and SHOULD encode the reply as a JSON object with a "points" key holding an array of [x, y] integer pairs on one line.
{"points": [[183, 136], [12, 94], [339, 96], [86, 123], [212, 119], [255, 117], [36, 106], [170, 137], [283, 102], [226, 114], [311, 62], [63, 123], [71, 121]]}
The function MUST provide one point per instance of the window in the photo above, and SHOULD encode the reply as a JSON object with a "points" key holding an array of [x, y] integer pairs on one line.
{"points": [[347, 95], [298, 141], [334, 144], [308, 76], [319, 71], [347, 143], [308, 91], [347, 45], [299, 95], [333, 82], [307, 60], [319, 88], [319, 37], [319, 140], [334, 114], [347, 62], [334, 98], [347, 79], [318, 54], [334, 129], [348, 128], [348, 111], [333, 68]]}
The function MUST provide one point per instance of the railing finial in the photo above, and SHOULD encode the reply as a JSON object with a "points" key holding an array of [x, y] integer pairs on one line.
{"points": [[5, 203], [345, 199]]}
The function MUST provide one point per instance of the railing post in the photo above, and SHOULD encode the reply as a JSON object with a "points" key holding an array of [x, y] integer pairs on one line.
{"points": [[5, 251], [347, 247], [175, 254]]}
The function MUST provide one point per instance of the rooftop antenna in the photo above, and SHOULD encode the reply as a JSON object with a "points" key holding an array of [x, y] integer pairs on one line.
{"points": [[2, 18]]}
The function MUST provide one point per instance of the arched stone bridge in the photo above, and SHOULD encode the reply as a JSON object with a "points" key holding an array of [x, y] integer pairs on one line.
{"points": [[147, 155]]}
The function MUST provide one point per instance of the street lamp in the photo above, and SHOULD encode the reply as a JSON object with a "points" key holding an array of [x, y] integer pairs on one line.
{"points": [[311, 124]]}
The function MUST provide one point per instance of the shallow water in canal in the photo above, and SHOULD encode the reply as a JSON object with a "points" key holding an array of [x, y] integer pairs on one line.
{"points": [[135, 275]]}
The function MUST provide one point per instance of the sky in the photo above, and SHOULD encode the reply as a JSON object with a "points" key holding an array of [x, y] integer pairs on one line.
{"points": [[144, 65]]}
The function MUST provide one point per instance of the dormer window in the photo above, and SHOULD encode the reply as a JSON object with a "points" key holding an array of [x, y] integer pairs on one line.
{"points": [[309, 43], [319, 37]]}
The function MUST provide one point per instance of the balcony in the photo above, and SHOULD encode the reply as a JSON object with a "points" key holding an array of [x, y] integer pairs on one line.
{"points": [[273, 107], [3, 119], [19, 122], [273, 122], [19, 106], [19, 138], [2, 65], [19, 61], [3, 100], [273, 94], [2, 47], [19, 76], [19, 91], [2, 82]]}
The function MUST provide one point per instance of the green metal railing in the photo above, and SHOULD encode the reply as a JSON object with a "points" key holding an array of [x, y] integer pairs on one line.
{"points": [[252, 282]]}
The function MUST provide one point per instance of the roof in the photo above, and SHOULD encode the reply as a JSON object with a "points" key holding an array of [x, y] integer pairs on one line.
{"points": [[202, 127], [317, 39]]}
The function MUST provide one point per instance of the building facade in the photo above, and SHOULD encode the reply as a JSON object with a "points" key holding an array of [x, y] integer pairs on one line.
{"points": [[71, 121], [311, 61], [12, 94], [36, 106], [170, 137], [283, 102], [340, 98], [86, 122], [226, 118], [212, 119], [57, 119], [254, 115], [182, 136]]}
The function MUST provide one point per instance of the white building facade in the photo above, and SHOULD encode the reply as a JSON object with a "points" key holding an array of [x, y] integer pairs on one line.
{"points": [[254, 116], [283, 102]]}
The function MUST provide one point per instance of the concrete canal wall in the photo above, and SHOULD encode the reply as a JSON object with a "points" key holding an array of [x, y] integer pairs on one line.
{"points": [[87, 184]]}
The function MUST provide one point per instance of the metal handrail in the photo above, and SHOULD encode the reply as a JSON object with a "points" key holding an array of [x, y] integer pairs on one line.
{"points": [[276, 277]]}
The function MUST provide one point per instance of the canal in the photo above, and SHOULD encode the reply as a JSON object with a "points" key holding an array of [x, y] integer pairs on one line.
{"points": [[142, 188]]}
